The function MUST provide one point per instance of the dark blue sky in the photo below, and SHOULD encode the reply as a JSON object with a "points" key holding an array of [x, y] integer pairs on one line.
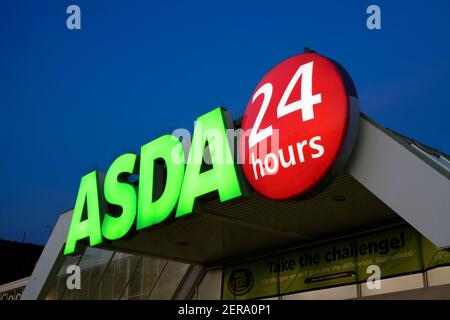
{"points": [[71, 101]]}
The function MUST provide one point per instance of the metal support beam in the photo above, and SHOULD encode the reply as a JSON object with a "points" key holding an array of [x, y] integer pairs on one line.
{"points": [[410, 186], [190, 281], [49, 262]]}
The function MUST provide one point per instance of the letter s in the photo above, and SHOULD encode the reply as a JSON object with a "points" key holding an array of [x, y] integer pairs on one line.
{"points": [[320, 150]]}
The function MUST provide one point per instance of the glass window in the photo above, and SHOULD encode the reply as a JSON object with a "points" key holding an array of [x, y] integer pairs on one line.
{"points": [[113, 275], [117, 276], [211, 285], [58, 283], [170, 275], [92, 265], [134, 289]]}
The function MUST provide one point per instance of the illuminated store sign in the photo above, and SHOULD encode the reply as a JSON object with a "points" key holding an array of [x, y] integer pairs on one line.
{"points": [[298, 129], [301, 122], [120, 204]]}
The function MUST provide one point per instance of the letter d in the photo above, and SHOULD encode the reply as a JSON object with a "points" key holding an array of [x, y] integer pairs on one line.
{"points": [[153, 157]]}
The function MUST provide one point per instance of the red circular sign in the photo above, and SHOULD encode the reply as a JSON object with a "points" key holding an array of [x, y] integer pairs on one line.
{"points": [[296, 126]]}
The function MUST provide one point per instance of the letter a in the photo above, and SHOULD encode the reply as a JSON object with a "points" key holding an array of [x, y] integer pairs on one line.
{"points": [[74, 280], [374, 20], [74, 20], [85, 221]]}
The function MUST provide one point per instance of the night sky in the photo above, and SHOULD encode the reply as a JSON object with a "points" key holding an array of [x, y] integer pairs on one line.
{"points": [[73, 100]]}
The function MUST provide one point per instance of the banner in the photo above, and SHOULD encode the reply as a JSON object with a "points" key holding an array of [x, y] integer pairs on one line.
{"points": [[396, 251]]}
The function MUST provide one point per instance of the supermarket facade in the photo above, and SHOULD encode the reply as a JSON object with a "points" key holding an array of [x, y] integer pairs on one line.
{"points": [[339, 196]]}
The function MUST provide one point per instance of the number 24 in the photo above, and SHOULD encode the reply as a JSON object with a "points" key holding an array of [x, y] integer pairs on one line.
{"points": [[305, 104]]}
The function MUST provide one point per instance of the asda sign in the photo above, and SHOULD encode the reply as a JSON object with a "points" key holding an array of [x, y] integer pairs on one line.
{"points": [[299, 127], [109, 208]]}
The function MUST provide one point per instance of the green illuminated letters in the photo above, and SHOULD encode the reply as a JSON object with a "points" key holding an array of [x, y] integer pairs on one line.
{"points": [[164, 179], [88, 201], [222, 177], [167, 149], [119, 193]]}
